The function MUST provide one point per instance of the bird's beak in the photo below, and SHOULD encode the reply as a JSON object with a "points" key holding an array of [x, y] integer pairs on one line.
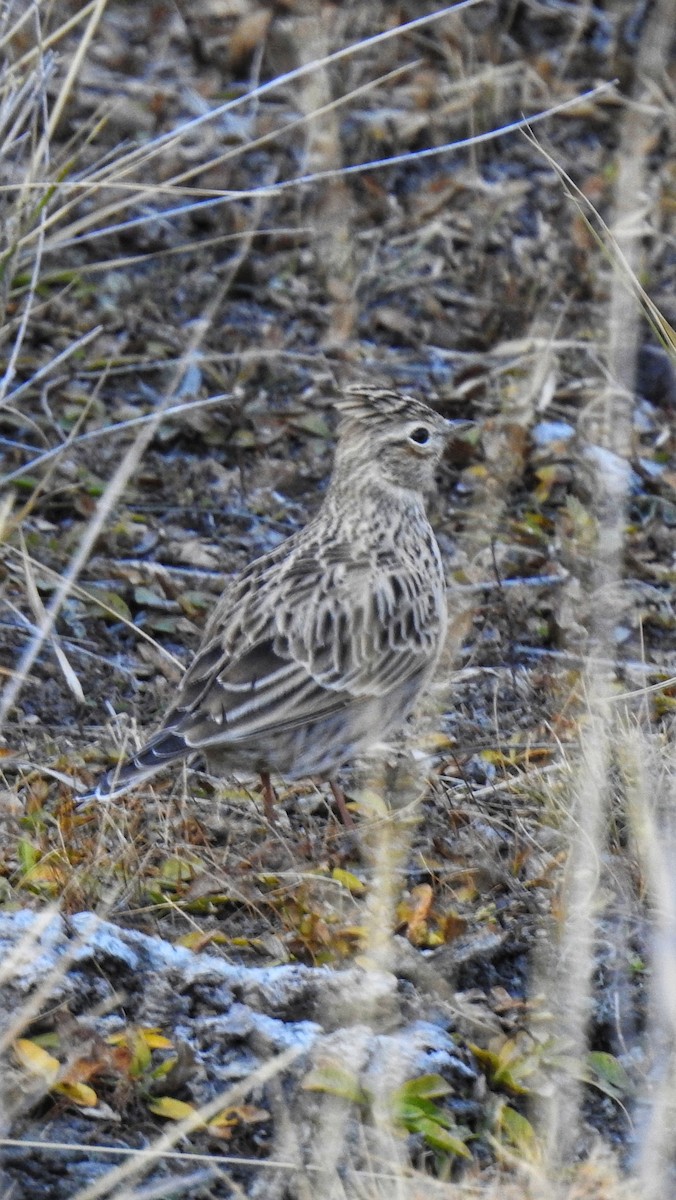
{"points": [[455, 428]]}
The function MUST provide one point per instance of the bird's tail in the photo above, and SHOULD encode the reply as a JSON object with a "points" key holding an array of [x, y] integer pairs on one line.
{"points": [[164, 748]]}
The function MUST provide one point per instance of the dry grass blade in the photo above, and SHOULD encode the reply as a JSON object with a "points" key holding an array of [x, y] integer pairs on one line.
{"points": [[609, 244], [85, 594], [93, 20], [45, 43], [146, 153], [80, 231], [143, 154], [49, 368], [172, 410], [41, 617], [139, 1163]]}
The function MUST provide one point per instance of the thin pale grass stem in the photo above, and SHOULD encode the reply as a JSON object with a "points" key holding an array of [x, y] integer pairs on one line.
{"points": [[172, 185], [47, 42], [569, 981], [609, 242], [652, 804], [15, 29], [77, 232], [499, 585], [72, 681], [636, 665], [92, 435], [229, 1160], [39, 159], [129, 364], [10, 370], [21, 107], [565, 978], [642, 691], [74, 67], [652, 798], [84, 594], [113, 493], [145, 153], [49, 367], [138, 1164], [387, 843], [69, 152], [22, 765], [416, 155], [131, 260]]}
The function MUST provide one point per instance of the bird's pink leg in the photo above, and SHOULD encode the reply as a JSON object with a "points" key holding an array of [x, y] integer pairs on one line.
{"points": [[339, 797], [269, 798]]}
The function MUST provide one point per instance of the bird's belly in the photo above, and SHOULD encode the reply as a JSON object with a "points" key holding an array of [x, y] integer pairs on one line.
{"points": [[321, 746]]}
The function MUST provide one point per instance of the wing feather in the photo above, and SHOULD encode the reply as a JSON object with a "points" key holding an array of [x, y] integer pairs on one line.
{"points": [[305, 637]]}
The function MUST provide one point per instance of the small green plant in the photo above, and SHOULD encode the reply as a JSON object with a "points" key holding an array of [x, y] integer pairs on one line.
{"points": [[412, 1107]]}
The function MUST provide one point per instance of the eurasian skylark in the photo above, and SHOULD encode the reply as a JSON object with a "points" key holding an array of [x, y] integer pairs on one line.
{"points": [[320, 648]]}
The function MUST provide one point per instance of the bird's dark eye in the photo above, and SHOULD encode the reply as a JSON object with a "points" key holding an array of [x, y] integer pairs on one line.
{"points": [[419, 435]]}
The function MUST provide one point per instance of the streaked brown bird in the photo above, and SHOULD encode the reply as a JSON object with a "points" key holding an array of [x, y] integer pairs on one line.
{"points": [[320, 648]]}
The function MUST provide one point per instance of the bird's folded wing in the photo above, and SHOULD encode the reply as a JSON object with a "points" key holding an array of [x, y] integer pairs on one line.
{"points": [[298, 652]]}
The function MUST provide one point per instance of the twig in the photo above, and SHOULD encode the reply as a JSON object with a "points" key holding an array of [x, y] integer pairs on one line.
{"points": [[94, 434]]}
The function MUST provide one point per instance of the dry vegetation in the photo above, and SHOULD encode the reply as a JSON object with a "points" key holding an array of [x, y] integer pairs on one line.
{"points": [[194, 260]]}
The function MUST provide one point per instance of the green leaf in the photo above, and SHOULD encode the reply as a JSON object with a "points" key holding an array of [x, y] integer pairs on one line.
{"points": [[177, 870], [335, 1081], [508, 1065], [29, 856], [442, 1139], [520, 1134], [410, 1111], [347, 880], [173, 1110], [146, 597], [608, 1074], [116, 602], [80, 1093], [37, 1060], [425, 1087], [163, 1069], [162, 624]]}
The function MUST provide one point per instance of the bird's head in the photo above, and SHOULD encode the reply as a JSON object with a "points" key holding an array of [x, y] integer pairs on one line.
{"points": [[390, 436]]}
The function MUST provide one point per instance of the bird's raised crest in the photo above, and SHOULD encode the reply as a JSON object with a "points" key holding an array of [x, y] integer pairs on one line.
{"points": [[366, 401]]}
